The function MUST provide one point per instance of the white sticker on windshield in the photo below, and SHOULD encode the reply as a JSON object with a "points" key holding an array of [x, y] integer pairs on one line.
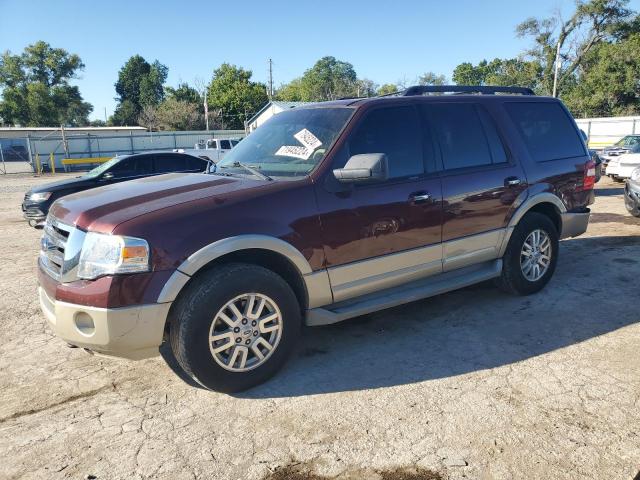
{"points": [[308, 139], [294, 151]]}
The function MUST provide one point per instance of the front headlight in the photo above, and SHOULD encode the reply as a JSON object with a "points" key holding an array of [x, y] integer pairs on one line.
{"points": [[635, 175], [39, 197], [109, 254]]}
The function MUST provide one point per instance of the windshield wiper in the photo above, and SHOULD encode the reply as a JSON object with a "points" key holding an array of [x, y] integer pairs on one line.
{"points": [[249, 169]]}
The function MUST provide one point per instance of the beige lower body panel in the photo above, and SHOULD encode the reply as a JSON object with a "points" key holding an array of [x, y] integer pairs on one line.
{"points": [[130, 332], [367, 276], [360, 278]]}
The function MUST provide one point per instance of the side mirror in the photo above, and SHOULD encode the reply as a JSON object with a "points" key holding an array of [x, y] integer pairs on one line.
{"points": [[364, 168], [107, 176]]}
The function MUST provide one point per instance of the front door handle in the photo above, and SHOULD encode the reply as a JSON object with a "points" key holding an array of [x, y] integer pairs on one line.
{"points": [[420, 197], [512, 181]]}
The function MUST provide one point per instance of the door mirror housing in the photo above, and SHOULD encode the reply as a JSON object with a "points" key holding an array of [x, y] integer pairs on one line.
{"points": [[364, 168]]}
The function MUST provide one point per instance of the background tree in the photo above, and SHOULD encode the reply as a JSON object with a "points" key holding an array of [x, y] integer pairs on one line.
{"points": [[176, 114], [139, 84], [328, 79], [610, 82], [502, 72], [387, 88], [232, 92], [36, 90], [569, 42], [431, 78]]}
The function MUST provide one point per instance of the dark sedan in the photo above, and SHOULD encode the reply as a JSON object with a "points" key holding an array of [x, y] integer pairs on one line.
{"points": [[119, 169]]}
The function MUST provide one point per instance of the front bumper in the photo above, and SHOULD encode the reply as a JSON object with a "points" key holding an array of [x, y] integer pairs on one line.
{"points": [[129, 332], [574, 223], [34, 211]]}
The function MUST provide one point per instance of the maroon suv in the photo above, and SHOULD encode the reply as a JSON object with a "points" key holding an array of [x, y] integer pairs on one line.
{"points": [[324, 213]]}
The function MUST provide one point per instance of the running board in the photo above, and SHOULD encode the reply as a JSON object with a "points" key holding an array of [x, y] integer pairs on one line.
{"points": [[406, 293]]}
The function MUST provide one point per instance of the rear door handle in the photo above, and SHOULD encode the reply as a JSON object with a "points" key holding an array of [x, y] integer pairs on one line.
{"points": [[420, 197], [512, 181]]}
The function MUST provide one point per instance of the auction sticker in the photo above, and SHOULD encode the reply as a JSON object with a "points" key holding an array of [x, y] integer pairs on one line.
{"points": [[308, 139], [294, 151]]}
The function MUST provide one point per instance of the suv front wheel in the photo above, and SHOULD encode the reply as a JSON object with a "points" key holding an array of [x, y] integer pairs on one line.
{"points": [[531, 255], [234, 326]]}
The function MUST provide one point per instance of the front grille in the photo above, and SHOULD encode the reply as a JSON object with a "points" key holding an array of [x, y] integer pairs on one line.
{"points": [[52, 247]]}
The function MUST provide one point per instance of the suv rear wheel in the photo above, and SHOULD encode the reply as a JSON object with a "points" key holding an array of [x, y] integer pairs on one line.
{"points": [[235, 326], [531, 256]]}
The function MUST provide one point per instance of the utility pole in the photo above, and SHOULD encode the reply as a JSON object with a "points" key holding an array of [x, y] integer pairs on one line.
{"points": [[206, 108], [270, 79], [105, 115], [556, 71]]}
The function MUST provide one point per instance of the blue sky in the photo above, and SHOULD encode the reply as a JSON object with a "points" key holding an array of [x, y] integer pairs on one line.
{"points": [[386, 43]]}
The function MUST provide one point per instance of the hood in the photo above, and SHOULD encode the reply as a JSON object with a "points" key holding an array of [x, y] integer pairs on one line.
{"points": [[63, 184], [103, 209]]}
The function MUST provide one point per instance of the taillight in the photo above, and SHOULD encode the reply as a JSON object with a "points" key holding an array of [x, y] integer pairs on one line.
{"points": [[589, 179]]}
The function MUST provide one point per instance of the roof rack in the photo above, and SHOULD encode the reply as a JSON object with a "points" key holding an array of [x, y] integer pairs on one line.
{"points": [[457, 89]]}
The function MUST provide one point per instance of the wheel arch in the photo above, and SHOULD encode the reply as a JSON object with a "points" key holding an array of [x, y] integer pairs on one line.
{"points": [[269, 252], [545, 203]]}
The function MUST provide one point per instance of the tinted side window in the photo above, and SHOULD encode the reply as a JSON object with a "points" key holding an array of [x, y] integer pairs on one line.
{"points": [[170, 163], [547, 130], [394, 131], [225, 144], [467, 136], [196, 164], [132, 166]]}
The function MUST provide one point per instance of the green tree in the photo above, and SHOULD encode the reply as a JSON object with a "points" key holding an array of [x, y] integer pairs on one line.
{"points": [[139, 84], [176, 114], [610, 82], [328, 79], [565, 44], [184, 93], [501, 72], [36, 90], [431, 78], [291, 92], [387, 89], [232, 92]]}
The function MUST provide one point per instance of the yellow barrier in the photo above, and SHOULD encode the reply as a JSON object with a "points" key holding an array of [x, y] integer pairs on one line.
{"points": [[52, 163], [83, 161]]}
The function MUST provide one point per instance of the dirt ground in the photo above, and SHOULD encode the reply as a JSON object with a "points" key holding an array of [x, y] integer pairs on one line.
{"points": [[472, 384]]}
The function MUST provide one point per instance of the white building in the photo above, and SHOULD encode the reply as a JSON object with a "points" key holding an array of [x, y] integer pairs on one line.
{"points": [[268, 111]]}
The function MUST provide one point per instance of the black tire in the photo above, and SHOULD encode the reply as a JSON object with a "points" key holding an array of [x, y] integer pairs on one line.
{"points": [[512, 279], [194, 312], [632, 207]]}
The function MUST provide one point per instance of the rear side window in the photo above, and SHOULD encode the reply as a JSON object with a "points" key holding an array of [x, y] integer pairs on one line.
{"points": [[225, 145], [170, 163], [467, 136], [396, 132], [547, 130]]}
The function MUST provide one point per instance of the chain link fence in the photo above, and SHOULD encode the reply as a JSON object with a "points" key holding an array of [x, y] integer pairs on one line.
{"points": [[24, 155]]}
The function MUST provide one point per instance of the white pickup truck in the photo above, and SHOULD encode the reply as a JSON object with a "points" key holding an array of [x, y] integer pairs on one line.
{"points": [[212, 149]]}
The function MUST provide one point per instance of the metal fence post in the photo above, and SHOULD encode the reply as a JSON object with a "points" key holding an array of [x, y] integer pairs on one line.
{"points": [[635, 121], [4, 167], [131, 139], [52, 163]]}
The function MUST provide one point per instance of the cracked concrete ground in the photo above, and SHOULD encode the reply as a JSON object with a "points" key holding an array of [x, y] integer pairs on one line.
{"points": [[472, 384]]}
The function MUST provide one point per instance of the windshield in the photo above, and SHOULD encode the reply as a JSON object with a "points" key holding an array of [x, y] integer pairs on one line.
{"points": [[628, 141], [289, 144], [100, 169]]}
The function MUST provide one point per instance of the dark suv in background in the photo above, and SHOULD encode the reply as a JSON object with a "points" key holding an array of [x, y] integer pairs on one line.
{"points": [[119, 169], [323, 213]]}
